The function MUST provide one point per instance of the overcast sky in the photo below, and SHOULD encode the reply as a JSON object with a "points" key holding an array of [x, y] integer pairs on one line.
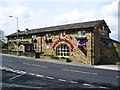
{"points": [[41, 13]]}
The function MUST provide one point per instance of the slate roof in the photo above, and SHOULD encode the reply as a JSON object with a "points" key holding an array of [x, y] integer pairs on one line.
{"points": [[80, 25]]}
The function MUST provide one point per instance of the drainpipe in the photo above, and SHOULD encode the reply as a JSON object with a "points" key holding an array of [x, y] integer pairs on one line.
{"points": [[41, 43]]}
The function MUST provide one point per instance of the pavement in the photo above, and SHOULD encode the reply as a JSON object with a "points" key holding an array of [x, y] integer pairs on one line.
{"points": [[108, 67]]}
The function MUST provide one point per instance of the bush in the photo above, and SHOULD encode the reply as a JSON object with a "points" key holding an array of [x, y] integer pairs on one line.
{"points": [[64, 57], [54, 56], [46, 54]]}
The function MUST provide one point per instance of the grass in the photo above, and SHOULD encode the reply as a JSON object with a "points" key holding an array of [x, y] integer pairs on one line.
{"points": [[53, 56]]}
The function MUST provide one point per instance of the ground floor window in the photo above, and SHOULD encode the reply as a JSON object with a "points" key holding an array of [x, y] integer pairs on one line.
{"points": [[62, 50]]}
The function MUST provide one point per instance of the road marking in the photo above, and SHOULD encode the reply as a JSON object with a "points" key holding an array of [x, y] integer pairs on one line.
{"points": [[95, 73], [62, 80], [5, 68], [9, 69], [26, 63], [73, 82], [16, 77], [13, 71], [50, 77], [86, 84], [40, 65], [31, 73], [80, 71], [39, 75], [17, 71], [102, 87], [1, 68], [65, 69], [117, 77], [8, 60], [22, 72]]}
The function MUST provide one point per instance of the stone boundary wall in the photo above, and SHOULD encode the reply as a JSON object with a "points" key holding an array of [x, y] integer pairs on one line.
{"points": [[28, 54]]}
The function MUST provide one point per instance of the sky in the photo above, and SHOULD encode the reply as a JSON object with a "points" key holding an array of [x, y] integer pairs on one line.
{"points": [[44, 13]]}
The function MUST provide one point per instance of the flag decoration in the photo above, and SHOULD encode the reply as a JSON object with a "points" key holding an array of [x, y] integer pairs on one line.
{"points": [[81, 43]]}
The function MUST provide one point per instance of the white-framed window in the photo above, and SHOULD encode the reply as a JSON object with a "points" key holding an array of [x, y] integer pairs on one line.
{"points": [[62, 34], [62, 50], [22, 37], [15, 38], [34, 36], [81, 33], [103, 28], [35, 46], [48, 35]]}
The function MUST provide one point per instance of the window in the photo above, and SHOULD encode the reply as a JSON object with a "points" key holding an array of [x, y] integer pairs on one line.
{"points": [[48, 35], [48, 38], [35, 46], [14, 38], [63, 35], [103, 28], [34, 36], [62, 50], [110, 45], [21, 37], [81, 33]]}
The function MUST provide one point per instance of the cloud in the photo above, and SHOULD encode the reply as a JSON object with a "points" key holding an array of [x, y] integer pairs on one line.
{"points": [[73, 16], [8, 25], [108, 12], [110, 9], [32, 17], [5, 12], [22, 12]]}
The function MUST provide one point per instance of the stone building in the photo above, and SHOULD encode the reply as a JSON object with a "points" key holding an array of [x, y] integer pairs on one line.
{"points": [[85, 42]]}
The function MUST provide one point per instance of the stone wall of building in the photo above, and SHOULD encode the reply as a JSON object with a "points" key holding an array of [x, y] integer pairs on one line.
{"points": [[96, 46], [79, 55], [109, 52]]}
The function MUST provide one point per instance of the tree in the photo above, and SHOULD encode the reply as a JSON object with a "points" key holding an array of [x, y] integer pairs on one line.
{"points": [[2, 36], [3, 39]]}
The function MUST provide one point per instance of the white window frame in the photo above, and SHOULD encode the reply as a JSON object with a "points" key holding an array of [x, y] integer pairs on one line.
{"points": [[81, 33], [35, 47], [34, 36], [62, 50]]}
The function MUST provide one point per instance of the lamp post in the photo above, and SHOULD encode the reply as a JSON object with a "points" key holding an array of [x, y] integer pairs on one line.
{"points": [[17, 33]]}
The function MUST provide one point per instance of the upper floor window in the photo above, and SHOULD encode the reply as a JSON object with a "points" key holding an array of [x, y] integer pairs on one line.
{"points": [[102, 28], [21, 37], [15, 38], [34, 36], [81, 33], [48, 38], [63, 35], [48, 35], [35, 46]]}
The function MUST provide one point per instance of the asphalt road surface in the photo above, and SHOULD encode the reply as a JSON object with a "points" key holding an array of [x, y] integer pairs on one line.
{"points": [[27, 81], [83, 77]]}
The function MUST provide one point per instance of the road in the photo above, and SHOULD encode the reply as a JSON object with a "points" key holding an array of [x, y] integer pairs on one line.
{"points": [[64, 73]]}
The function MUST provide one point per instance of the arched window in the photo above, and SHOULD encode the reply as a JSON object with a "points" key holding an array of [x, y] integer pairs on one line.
{"points": [[62, 50]]}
